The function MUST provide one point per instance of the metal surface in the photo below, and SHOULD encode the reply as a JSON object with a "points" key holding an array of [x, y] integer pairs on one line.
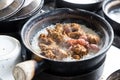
{"points": [[28, 10], [11, 10], [5, 3]]}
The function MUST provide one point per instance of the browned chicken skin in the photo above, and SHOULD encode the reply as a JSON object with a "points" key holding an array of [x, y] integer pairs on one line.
{"points": [[79, 50], [93, 38], [67, 40]]}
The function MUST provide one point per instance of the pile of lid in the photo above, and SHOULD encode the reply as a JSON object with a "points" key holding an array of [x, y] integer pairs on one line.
{"points": [[15, 12]]}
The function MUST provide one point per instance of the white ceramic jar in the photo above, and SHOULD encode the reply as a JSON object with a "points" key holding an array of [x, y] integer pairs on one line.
{"points": [[10, 55]]}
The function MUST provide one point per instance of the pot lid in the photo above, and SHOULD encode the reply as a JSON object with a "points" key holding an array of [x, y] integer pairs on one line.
{"points": [[5, 3], [28, 10], [27, 2], [11, 9], [82, 1]]}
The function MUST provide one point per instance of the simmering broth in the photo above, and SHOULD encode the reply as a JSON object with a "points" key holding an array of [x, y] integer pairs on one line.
{"points": [[36, 47]]}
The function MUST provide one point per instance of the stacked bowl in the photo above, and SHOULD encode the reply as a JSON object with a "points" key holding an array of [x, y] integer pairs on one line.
{"points": [[91, 5], [14, 13], [111, 10]]}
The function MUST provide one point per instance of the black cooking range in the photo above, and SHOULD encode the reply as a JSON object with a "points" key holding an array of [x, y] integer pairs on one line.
{"points": [[12, 27]]}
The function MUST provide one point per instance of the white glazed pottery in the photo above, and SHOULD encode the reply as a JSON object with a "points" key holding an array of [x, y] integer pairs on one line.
{"points": [[10, 55]]}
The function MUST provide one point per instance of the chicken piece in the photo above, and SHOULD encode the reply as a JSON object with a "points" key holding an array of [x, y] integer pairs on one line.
{"points": [[56, 36], [75, 56], [77, 41], [74, 35], [93, 48], [83, 42], [73, 30], [93, 39], [83, 37], [67, 28], [42, 37], [46, 40], [44, 47], [59, 53], [75, 27], [79, 50], [59, 27], [49, 54], [46, 51]]}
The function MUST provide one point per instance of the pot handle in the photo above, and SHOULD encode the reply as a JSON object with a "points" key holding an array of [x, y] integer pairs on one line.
{"points": [[26, 70]]}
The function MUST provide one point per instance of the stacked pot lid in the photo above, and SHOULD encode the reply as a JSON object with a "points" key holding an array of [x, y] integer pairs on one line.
{"points": [[20, 9], [11, 9], [5, 3]]}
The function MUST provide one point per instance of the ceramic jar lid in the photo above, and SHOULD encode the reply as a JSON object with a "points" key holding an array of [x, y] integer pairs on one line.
{"points": [[8, 47], [10, 55]]}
